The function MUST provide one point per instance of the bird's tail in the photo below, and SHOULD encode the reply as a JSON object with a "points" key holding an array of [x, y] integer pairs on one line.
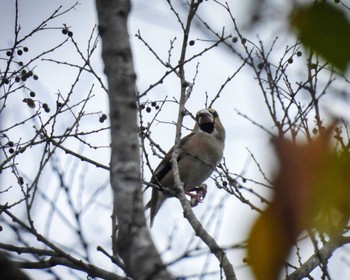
{"points": [[155, 203]]}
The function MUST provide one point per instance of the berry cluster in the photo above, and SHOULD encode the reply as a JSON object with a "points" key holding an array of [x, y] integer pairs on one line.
{"points": [[102, 118], [23, 74], [66, 31], [148, 108], [19, 51]]}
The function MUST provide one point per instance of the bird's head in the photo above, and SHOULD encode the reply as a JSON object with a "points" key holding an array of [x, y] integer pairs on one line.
{"points": [[208, 121]]}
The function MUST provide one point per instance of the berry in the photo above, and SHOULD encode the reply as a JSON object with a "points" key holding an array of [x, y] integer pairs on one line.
{"points": [[102, 118], [25, 49], [10, 143], [46, 108], [17, 79], [157, 107], [70, 33], [299, 53], [11, 150], [191, 43], [261, 65], [244, 40], [20, 63], [290, 60], [20, 180], [64, 31], [148, 109], [8, 53], [59, 104], [142, 106], [35, 77], [19, 52], [32, 94], [153, 104], [234, 39]]}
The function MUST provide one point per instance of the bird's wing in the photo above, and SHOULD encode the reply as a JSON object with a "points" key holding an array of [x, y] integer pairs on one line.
{"points": [[163, 168], [165, 165]]}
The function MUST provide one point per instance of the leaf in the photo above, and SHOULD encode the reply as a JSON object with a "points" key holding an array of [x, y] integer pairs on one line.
{"points": [[30, 102], [325, 29], [311, 190]]}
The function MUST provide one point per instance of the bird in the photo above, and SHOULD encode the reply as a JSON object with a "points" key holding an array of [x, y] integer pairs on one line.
{"points": [[200, 152]]}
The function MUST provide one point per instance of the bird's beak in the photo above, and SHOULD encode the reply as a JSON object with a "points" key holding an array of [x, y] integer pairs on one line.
{"points": [[205, 117]]}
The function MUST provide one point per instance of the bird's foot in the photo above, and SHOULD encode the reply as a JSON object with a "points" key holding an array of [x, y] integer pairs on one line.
{"points": [[199, 194]]}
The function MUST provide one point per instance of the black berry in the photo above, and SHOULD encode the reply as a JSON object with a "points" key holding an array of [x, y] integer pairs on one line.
{"points": [[46, 108], [59, 104], [20, 180]]}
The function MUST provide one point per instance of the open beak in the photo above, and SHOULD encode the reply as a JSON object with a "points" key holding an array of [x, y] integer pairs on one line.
{"points": [[205, 117]]}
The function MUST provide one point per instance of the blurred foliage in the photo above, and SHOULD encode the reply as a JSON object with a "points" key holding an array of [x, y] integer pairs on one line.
{"points": [[311, 192], [325, 29]]}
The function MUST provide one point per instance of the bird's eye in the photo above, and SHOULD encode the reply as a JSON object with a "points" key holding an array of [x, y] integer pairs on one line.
{"points": [[214, 113]]}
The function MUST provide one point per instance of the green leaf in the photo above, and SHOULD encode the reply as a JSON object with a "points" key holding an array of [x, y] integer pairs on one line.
{"points": [[326, 30]]}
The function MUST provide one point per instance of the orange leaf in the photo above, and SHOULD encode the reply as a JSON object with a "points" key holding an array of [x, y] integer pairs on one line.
{"points": [[312, 184]]}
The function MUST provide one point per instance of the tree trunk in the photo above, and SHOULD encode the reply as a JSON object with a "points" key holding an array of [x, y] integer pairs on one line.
{"points": [[133, 242]]}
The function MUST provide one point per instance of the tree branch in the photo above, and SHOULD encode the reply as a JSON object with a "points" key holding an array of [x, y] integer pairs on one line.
{"points": [[321, 255], [185, 92], [92, 270]]}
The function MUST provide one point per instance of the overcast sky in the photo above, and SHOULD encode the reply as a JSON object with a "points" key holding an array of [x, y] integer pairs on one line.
{"points": [[158, 26]]}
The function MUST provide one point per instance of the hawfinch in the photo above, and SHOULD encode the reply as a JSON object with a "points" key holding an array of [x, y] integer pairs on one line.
{"points": [[200, 152]]}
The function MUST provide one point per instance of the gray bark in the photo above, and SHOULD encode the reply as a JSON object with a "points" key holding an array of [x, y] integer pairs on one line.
{"points": [[132, 240]]}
